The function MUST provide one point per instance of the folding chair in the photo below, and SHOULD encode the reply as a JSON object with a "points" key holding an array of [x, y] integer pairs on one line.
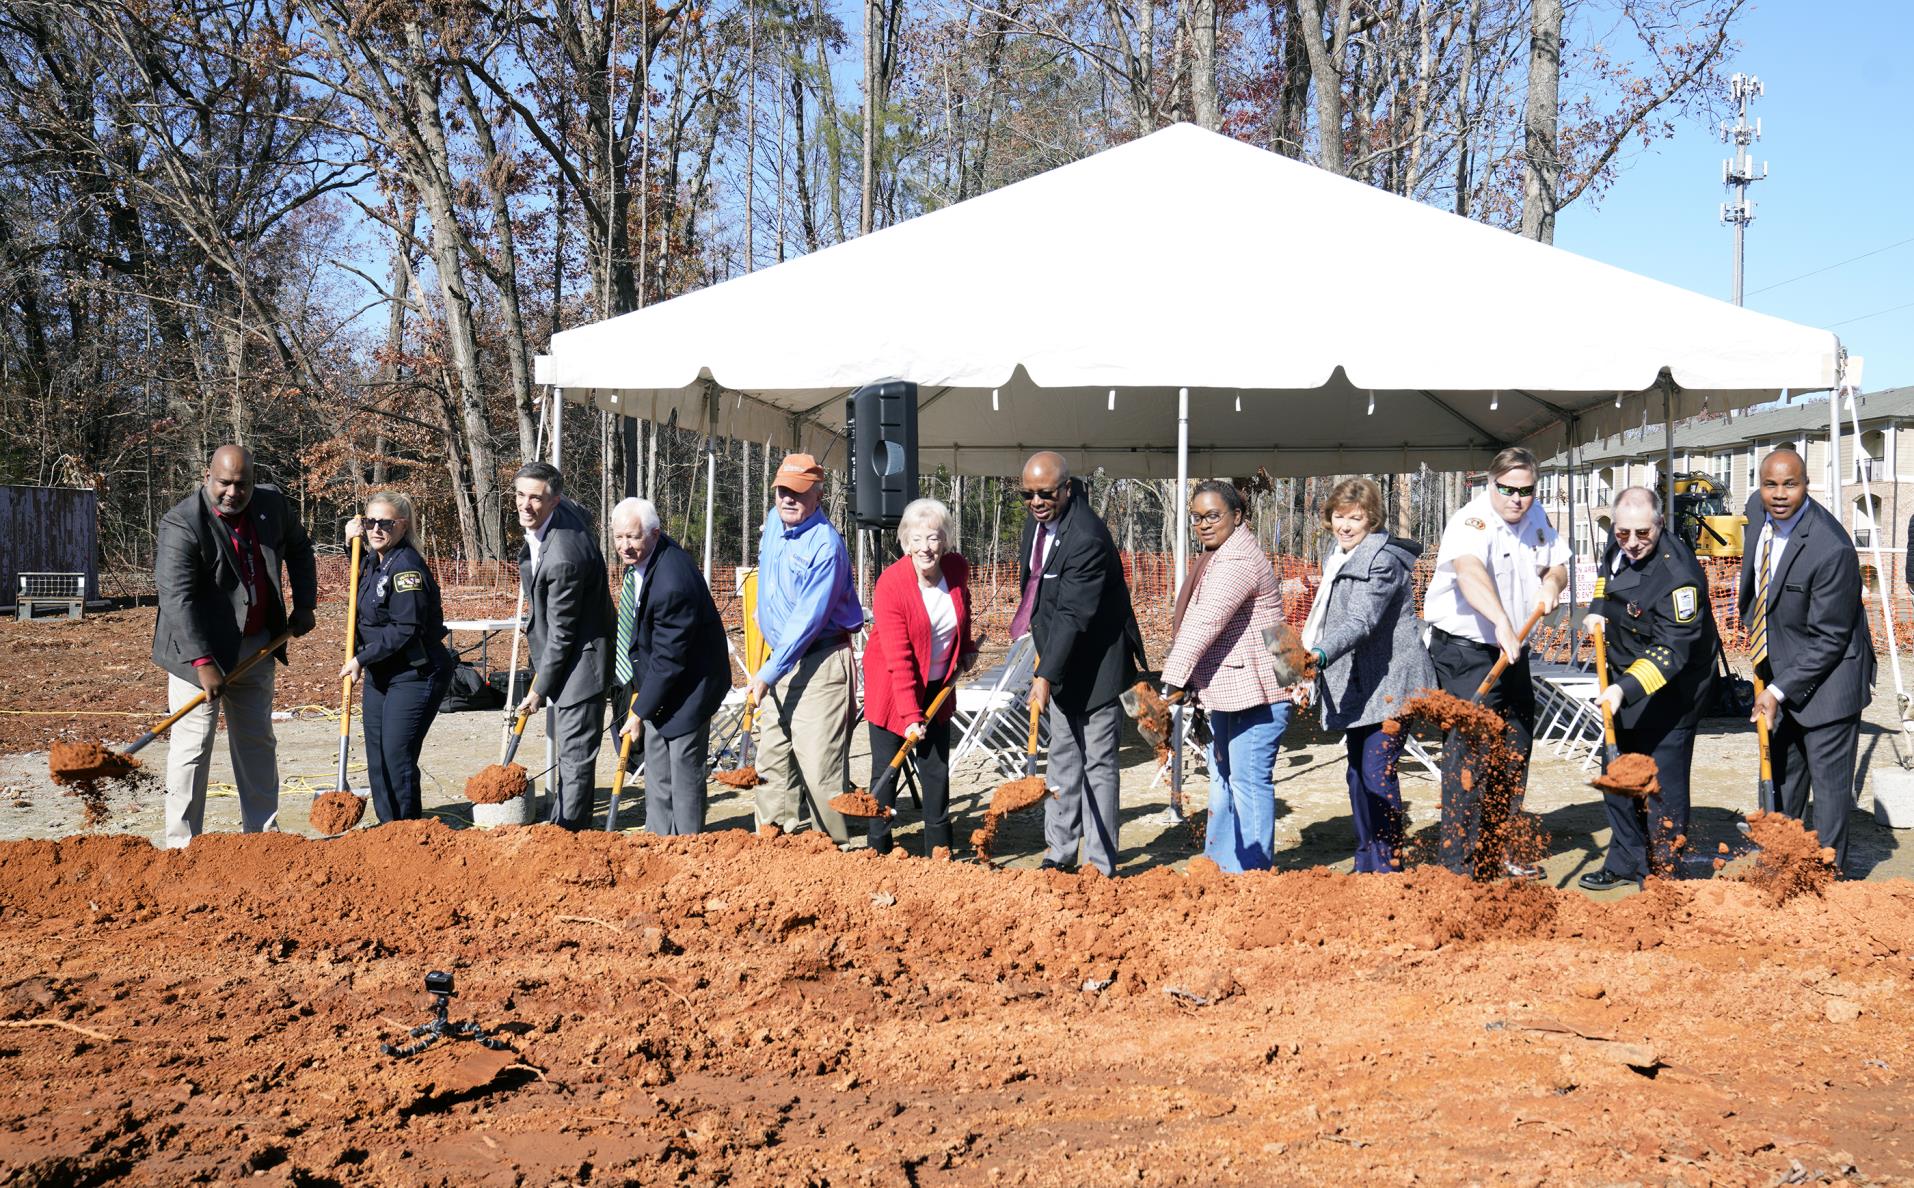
{"points": [[991, 718]]}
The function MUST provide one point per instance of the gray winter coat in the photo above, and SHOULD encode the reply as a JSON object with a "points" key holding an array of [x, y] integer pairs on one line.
{"points": [[1370, 636]]}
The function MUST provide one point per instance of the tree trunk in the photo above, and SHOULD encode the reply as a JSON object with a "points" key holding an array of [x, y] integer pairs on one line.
{"points": [[1541, 171], [1204, 85], [1326, 74]]}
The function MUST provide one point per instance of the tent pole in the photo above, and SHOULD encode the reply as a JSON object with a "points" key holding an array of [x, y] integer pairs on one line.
{"points": [[710, 487], [1574, 558], [1182, 539], [1668, 438]]}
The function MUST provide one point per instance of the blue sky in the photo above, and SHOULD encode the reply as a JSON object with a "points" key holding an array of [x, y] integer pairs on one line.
{"points": [[1835, 131]]}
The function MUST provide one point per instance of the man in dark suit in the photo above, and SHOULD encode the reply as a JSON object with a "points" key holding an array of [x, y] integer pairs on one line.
{"points": [[563, 576], [1076, 607], [1801, 607], [217, 571], [672, 671]]}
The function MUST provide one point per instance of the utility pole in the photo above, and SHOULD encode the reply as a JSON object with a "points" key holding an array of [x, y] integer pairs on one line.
{"points": [[1738, 172]]}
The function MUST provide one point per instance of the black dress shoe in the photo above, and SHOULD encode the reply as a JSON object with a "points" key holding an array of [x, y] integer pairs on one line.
{"points": [[1053, 864], [1602, 880]]}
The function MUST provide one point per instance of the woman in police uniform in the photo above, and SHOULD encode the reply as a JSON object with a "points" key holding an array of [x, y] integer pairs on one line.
{"points": [[400, 652], [1651, 603]]}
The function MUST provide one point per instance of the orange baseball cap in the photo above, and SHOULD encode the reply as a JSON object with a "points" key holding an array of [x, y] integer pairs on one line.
{"points": [[799, 472]]}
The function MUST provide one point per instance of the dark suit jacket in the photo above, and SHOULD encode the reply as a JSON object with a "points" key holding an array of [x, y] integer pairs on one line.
{"points": [[1819, 649], [1088, 644], [569, 602], [202, 596], [679, 671]]}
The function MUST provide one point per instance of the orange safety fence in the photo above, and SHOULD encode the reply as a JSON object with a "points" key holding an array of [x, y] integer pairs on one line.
{"points": [[489, 590]]}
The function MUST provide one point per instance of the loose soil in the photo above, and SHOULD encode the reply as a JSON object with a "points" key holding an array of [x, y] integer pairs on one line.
{"points": [[1011, 796], [335, 812], [87, 770], [1630, 775], [1497, 769], [737, 777], [699, 1010], [1791, 860], [496, 783], [857, 803]]}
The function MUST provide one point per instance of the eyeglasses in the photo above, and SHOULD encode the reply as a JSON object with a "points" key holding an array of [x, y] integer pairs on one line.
{"points": [[1515, 492], [1205, 519], [1634, 533], [377, 525], [1047, 494]]}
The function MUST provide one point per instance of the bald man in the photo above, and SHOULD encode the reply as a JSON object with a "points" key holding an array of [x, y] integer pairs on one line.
{"points": [[1076, 607], [217, 569], [1808, 636]]}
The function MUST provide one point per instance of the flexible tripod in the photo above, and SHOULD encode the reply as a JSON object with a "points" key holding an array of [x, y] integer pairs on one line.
{"points": [[439, 985]]}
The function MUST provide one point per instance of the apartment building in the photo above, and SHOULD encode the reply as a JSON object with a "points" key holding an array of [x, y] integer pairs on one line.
{"points": [[1730, 448]]}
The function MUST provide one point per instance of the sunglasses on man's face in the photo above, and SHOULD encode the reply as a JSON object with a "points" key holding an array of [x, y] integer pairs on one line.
{"points": [[1047, 494], [1509, 492], [1634, 533], [378, 525]]}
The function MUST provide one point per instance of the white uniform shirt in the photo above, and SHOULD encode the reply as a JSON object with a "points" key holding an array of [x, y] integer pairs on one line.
{"points": [[1516, 556]]}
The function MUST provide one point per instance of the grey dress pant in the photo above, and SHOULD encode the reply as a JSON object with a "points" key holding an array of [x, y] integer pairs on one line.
{"points": [[576, 733], [1086, 785], [674, 781]]}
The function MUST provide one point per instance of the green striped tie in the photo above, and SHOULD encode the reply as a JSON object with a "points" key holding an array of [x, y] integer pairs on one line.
{"points": [[627, 619], [1758, 614]]}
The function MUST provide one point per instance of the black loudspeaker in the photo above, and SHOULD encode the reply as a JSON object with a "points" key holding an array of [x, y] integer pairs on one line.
{"points": [[881, 421]]}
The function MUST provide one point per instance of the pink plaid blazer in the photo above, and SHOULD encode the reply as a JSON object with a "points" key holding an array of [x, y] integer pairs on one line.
{"points": [[1219, 651]]}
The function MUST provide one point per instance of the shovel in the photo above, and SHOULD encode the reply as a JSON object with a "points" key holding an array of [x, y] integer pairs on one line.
{"points": [[345, 683], [887, 779], [1292, 662], [1637, 777], [618, 774], [110, 764], [1502, 658], [1764, 789]]}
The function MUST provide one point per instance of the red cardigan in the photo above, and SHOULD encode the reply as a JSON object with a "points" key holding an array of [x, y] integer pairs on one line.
{"points": [[897, 657]]}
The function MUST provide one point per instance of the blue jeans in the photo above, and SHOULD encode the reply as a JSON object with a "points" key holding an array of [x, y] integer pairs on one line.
{"points": [[1375, 797], [1242, 825]]}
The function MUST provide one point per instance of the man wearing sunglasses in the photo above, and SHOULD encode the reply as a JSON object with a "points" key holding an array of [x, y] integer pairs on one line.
{"points": [[1651, 606], [1076, 607], [1500, 559]]}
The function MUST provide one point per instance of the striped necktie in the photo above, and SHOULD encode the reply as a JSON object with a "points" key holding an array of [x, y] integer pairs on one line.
{"points": [[1758, 614], [627, 619]]}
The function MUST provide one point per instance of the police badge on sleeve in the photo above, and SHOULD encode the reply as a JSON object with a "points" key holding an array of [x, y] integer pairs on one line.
{"points": [[1687, 604]]}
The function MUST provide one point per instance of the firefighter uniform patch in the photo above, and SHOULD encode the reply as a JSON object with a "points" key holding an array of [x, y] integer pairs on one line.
{"points": [[412, 580], [1687, 604], [1475, 523]]}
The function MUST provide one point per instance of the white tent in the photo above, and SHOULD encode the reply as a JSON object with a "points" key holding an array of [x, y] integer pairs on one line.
{"points": [[1318, 325]]}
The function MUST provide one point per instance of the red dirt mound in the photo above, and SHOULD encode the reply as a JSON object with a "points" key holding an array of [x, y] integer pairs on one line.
{"points": [[1791, 860], [495, 784], [335, 812]]}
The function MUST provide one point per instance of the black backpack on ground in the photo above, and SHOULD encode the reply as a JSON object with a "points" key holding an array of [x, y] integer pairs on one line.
{"points": [[470, 691]]}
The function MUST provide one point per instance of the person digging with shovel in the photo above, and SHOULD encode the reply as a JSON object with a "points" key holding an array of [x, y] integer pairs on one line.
{"points": [[1500, 557], [1651, 607], [217, 566]]}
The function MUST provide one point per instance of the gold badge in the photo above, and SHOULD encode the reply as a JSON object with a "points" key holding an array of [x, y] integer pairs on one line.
{"points": [[408, 582], [1687, 604]]}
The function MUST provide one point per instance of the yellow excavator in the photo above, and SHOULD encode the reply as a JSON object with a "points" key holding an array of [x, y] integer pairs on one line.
{"points": [[1703, 519]]}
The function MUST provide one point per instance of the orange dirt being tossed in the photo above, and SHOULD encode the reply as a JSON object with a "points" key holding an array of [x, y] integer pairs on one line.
{"points": [[496, 784], [737, 777], [696, 1010], [1791, 860], [1494, 770], [335, 812], [858, 803], [1630, 775], [73, 763], [1011, 796]]}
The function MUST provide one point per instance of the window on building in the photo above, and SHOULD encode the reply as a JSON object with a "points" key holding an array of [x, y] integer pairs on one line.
{"points": [[1724, 469]]}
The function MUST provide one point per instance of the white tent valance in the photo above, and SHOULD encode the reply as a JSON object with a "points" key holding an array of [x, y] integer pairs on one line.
{"points": [[1286, 299]]}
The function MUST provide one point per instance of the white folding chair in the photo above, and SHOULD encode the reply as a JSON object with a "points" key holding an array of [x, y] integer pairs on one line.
{"points": [[990, 715]]}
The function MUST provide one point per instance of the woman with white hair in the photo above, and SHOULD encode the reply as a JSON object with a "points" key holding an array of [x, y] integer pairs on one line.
{"points": [[920, 642]]}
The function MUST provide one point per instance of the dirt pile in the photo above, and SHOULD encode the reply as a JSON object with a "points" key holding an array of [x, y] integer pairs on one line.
{"points": [[1495, 770], [495, 783], [1630, 775], [1791, 860], [87, 770], [335, 812], [1009, 797], [858, 803], [697, 1010]]}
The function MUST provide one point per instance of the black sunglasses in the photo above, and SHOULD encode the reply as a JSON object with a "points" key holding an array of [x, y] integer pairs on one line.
{"points": [[1044, 493], [1635, 533], [1515, 492], [374, 524]]}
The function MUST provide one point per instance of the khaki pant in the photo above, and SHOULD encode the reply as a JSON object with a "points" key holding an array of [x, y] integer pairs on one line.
{"points": [[804, 734], [249, 740]]}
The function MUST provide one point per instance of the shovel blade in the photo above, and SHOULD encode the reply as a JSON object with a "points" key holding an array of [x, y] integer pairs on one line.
{"points": [[1286, 653], [1130, 703]]}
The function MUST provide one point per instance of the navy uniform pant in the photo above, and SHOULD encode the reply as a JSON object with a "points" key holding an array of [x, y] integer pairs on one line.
{"points": [[398, 711], [1472, 819], [1643, 831]]}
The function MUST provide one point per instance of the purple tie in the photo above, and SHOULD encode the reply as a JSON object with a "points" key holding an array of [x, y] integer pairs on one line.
{"points": [[1020, 623]]}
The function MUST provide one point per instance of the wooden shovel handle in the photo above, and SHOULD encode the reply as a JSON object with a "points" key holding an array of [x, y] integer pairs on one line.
{"points": [[1036, 715], [352, 629], [1761, 733], [1601, 684], [624, 752], [930, 715], [1502, 659], [198, 699]]}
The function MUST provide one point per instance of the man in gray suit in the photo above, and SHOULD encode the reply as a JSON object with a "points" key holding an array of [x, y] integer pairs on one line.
{"points": [[569, 601], [216, 568], [1808, 635]]}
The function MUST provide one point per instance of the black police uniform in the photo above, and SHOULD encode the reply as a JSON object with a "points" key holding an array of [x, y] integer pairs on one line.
{"points": [[401, 647], [1661, 651]]}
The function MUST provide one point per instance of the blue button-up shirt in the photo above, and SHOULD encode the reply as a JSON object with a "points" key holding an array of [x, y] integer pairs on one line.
{"points": [[804, 590]]}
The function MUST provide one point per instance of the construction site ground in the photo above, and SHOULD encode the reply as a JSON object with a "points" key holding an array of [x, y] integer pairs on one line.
{"points": [[730, 1007]]}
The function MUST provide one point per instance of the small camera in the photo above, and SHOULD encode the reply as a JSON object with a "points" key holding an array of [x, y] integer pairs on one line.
{"points": [[438, 982]]}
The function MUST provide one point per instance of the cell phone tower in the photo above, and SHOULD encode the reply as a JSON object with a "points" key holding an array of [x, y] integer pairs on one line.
{"points": [[1738, 172]]}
